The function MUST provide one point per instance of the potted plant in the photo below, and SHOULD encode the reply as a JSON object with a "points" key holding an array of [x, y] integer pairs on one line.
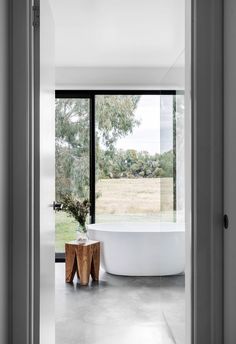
{"points": [[79, 210]]}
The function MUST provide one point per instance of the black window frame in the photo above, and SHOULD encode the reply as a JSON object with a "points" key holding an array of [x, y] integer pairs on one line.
{"points": [[91, 95]]}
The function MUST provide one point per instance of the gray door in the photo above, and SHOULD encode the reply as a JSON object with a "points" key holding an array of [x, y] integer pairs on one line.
{"points": [[230, 171], [45, 171]]}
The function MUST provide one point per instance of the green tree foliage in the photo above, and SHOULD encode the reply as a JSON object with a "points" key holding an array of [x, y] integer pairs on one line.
{"points": [[115, 118], [72, 147], [133, 164], [166, 161]]}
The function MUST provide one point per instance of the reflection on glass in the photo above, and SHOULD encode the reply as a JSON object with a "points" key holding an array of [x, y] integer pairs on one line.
{"points": [[72, 160], [167, 157]]}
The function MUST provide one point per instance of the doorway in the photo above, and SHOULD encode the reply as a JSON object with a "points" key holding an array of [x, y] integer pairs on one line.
{"points": [[203, 29], [136, 179]]}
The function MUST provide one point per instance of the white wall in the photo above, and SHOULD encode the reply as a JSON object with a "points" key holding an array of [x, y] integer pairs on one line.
{"points": [[4, 154], [118, 33], [119, 78]]}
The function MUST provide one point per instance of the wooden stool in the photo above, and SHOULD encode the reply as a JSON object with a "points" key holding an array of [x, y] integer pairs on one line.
{"points": [[83, 258]]}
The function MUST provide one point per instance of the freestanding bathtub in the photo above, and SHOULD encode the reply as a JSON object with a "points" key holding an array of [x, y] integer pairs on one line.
{"points": [[141, 249]]}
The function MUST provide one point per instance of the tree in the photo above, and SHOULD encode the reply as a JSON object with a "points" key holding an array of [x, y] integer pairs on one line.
{"points": [[115, 118], [72, 147], [132, 164], [166, 164]]}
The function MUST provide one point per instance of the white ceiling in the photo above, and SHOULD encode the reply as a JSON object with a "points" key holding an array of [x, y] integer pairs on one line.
{"points": [[115, 33]]}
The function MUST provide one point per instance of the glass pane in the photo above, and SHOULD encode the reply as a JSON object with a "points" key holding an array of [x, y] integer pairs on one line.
{"points": [[72, 161], [172, 145], [180, 157], [135, 158], [167, 157]]}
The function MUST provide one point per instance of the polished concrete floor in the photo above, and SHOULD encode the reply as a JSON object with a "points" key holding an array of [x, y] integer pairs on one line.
{"points": [[120, 310]]}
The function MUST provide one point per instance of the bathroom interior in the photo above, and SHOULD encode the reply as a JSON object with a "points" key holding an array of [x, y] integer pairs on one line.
{"points": [[120, 149]]}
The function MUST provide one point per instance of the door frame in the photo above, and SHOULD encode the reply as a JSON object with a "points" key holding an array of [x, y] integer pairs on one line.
{"points": [[204, 83], [206, 90], [21, 277]]}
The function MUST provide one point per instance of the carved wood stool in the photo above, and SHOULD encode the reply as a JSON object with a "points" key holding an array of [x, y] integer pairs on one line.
{"points": [[83, 258]]}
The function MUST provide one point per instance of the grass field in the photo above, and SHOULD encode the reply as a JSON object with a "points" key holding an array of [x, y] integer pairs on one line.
{"points": [[134, 196], [149, 199]]}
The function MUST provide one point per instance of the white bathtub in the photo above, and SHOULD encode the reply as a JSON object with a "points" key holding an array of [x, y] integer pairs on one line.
{"points": [[141, 249]]}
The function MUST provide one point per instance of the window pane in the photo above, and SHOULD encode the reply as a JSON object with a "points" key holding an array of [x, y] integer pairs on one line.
{"points": [[72, 161], [167, 158], [135, 158]]}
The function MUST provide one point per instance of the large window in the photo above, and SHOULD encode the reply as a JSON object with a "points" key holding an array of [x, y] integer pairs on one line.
{"points": [[122, 151]]}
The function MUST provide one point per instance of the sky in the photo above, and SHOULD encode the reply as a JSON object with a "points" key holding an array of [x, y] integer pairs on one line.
{"points": [[154, 134]]}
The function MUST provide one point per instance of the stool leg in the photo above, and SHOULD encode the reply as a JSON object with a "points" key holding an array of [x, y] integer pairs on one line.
{"points": [[84, 260], [95, 263], [77, 269], [71, 264]]}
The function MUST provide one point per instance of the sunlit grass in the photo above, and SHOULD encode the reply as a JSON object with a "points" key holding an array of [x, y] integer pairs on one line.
{"points": [[121, 200], [65, 230]]}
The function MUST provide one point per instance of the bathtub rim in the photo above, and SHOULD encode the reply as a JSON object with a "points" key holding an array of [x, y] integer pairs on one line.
{"points": [[107, 228]]}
